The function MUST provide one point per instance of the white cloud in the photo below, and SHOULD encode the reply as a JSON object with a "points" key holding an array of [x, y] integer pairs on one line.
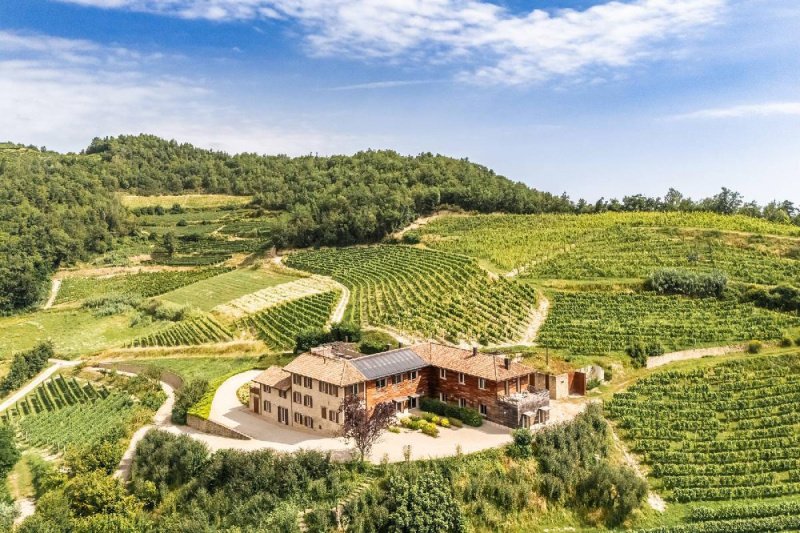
{"points": [[497, 45], [766, 109], [62, 93]]}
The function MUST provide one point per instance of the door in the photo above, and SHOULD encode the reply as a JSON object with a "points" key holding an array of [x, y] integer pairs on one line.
{"points": [[257, 405]]}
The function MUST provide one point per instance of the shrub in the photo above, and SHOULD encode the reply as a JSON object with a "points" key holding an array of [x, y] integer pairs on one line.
{"points": [[797, 341], [310, 337], [187, 396], [394, 429], [686, 283], [371, 346], [522, 447], [638, 354], [754, 347], [429, 429], [345, 331], [786, 342], [444, 422], [593, 384], [615, 490], [456, 423], [411, 237], [471, 417]]}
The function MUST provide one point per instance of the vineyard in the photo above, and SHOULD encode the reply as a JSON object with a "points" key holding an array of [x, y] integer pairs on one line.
{"points": [[62, 411], [144, 284], [430, 294], [272, 296], [198, 330], [728, 432], [279, 325], [589, 322], [622, 244]]}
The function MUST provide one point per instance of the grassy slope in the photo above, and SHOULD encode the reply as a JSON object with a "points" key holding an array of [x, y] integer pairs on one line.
{"points": [[212, 367], [209, 293], [73, 331]]}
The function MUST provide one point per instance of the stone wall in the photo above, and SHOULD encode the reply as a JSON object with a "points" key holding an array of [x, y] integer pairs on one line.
{"points": [[213, 428]]}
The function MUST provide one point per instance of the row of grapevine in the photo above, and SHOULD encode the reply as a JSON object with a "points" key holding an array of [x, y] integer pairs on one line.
{"points": [[53, 394], [279, 325], [618, 244], [716, 454], [603, 322], [199, 330], [143, 284], [81, 423], [426, 293]]}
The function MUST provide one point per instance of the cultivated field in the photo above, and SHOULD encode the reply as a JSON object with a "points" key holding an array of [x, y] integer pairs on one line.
{"points": [[425, 293], [189, 201], [721, 433], [602, 322]]}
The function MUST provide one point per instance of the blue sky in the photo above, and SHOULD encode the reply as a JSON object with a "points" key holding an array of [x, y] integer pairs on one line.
{"points": [[595, 98]]}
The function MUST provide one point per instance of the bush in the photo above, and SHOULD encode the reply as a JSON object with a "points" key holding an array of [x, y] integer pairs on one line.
{"points": [[522, 447], [471, 417], [444, 422], [411, 237], [593, 383], [372, 346], [614, 490], [429, 428], [345, 331], [797, 341], [754, 347], [187, 396], [786, 342], [310, 337], [781, 298], [686, 283]]}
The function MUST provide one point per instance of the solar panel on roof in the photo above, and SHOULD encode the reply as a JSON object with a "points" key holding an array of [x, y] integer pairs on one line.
{"points": [[388, 363]]}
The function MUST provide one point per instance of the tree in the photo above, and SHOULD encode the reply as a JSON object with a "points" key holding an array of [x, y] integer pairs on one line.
{"points": [[187, 396], [168, 243], [615, 490], [9, 454], [346, 331], [364, 427]]}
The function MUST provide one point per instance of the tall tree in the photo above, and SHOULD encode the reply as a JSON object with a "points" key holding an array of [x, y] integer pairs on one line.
{"points": [[364, 427]]}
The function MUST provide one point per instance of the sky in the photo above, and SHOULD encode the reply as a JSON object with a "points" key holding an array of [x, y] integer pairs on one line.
{"points": [[593, 98]]}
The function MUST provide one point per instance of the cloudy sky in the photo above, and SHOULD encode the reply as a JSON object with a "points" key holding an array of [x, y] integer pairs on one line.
{"points": [[591, 97]]}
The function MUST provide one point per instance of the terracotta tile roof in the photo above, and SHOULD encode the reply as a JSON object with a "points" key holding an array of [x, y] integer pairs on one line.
{"points": [[276, 377], [491, 367], [325, 368]]}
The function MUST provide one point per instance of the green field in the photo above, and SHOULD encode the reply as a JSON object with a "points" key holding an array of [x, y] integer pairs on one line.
{"points": [[209, 368], [209, 293], [73, 331], [430, 294], [725, 432], [601, 322], [621, 244]]}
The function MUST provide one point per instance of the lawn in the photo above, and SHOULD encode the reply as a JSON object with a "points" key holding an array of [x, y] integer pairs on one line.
{"points": [[73, 331], [190, 201], [211, 292]]}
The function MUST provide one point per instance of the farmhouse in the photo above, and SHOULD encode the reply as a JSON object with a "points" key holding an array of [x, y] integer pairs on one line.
{"points": [[308, 392]]}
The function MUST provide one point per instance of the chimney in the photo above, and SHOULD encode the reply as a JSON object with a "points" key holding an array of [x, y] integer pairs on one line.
{"points": [[474, 351], [507, 363]]}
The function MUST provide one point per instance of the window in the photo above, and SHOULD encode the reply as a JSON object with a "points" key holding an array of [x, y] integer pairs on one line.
{"points": [[412, 402], [267, 406], [298, 418], [283, 394], [412, 375], [266, 388], [298, 398], [380, 383], [334, 390], [483, 409], [309, 422], [481, 383], [308, 401], [397, 379], [462, 402], [308, 382], [461, 378], [353, 389], [443, 373], [324, 413], [333, 416], [283, 415], [297, 379], [443, 397]]}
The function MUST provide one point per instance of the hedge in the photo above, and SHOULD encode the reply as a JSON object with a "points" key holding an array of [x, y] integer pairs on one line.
{"points": [[470, 417]]}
